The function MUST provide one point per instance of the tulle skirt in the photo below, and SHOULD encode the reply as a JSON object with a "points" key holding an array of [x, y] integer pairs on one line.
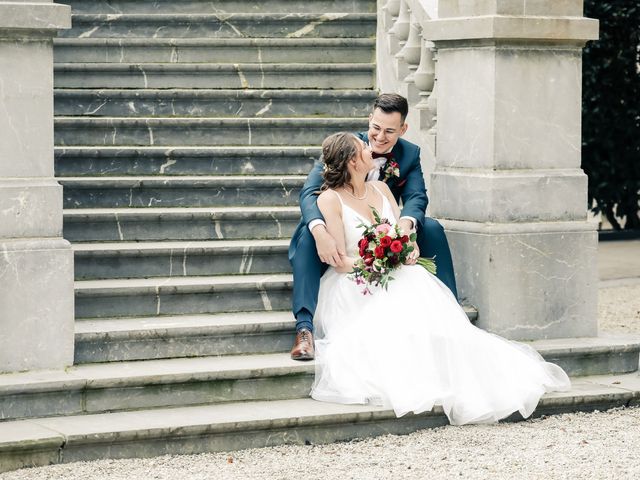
{"points": [[412, 347]]}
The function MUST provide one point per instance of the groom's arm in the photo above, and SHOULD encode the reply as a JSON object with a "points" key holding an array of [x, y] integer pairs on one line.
{"points": [[414, 192], [328, 250], [309, 195]]}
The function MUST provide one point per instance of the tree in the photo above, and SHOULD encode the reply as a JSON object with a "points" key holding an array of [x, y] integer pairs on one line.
{"points": [[611, 111]]}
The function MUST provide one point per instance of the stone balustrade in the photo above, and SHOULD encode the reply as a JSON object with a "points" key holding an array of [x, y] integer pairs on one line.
{"points": [[504, 169]]}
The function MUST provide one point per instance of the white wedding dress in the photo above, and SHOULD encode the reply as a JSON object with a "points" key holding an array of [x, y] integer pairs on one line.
{"points": [[412, 347]]}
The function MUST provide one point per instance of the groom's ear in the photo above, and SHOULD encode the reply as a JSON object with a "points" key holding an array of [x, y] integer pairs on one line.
{"points": [[403, 128]]}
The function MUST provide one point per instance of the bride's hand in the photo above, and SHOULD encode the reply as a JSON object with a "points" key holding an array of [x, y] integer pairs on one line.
{"points": [[406, 226], [414, 255], [327, 247], [347, 264]]}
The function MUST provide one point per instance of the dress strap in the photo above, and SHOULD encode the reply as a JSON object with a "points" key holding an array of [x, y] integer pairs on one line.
{"points": [[385, 200], [339, 197], [376, 189]]}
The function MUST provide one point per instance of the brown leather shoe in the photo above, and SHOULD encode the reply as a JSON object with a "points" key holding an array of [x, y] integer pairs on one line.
{"points": [[303, 348]]}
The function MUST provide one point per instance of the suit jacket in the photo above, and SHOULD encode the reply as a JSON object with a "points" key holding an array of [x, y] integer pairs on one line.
{"points": [[408, 187]]}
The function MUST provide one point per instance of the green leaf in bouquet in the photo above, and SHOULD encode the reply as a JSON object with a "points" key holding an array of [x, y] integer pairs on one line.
{"points": [[376, 215], [413, 237]]}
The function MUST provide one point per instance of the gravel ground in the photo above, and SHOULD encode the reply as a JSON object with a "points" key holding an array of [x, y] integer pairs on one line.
{"points": [[619, 309], [598, 445]]}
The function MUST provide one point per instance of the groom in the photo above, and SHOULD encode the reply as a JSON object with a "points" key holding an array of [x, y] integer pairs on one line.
{"points": [[312, 248]]}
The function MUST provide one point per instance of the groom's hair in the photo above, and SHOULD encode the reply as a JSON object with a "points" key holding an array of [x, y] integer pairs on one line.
{"points": [[392, 102]]}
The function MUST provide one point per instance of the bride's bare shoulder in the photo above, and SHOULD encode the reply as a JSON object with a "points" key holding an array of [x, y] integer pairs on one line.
{"points": [[328, 200]]}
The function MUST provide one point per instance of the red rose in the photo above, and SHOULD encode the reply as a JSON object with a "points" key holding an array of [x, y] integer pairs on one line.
{"points": [[404, 238], [362, 245], [385, 241], [379, 252], [396, 246]]}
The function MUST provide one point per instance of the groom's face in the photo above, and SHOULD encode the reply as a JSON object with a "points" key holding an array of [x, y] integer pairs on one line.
{"points": [[384, 130]]}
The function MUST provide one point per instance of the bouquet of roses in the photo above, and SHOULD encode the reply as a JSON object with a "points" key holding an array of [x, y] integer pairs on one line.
{"points": [[382, 249]]}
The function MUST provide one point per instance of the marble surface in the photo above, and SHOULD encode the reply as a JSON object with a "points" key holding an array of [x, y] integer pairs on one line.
{"points": [[37, 304], [465, 8], [214, 75], [226, 427], [223, 25], [528, 286], [36, 264], [170, 224]]}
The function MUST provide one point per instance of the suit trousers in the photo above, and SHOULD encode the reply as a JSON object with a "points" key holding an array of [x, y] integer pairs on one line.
{"points": [[307, 267]]}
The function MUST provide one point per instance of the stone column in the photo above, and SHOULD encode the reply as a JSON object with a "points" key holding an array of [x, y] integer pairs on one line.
{"points": [[36, 263], [508, 183]]}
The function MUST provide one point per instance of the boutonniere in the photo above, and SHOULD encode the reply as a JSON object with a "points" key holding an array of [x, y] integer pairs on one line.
{"points": [[390, 170]]}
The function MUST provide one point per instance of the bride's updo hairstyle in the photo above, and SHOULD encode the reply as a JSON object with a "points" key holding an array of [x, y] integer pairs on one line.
{"points": [[337, 150]]}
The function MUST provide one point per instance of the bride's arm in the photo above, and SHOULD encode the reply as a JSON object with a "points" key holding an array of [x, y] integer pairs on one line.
{"points": [[331, 210]]}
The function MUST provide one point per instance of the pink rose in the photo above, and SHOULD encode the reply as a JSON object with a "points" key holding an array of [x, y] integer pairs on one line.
{"points": [[383, 228]]}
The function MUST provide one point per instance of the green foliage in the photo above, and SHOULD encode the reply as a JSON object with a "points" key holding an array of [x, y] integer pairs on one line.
{"points": [[611, 111]]}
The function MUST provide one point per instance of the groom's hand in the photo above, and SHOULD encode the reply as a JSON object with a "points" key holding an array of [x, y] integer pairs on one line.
{"points": [[327, 247]]}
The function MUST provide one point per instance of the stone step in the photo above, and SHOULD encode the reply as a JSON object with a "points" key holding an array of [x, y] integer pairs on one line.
{"points": [[111, 387], [222, 25], [182, 295], [118, 161], [115, 7], [602, 355], [95, 261], [236, 426], [181, 131], [132, 385], [144, 338], [213, 103], [159, 224], [215, 75], [175, 336], [214, 50], [184, 191]]}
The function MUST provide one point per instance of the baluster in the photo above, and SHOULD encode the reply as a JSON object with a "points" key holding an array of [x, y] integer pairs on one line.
{"points": [[409, 57], [390, 12], [424, 76], [429, 116], [393, 7], [400, 31]]}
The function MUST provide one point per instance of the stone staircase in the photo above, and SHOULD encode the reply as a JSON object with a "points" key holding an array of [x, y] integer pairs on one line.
{"points": [[183, 137], [184, 130]]}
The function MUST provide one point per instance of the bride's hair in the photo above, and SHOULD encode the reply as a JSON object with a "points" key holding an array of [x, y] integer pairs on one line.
{"points": [[337, 150]]}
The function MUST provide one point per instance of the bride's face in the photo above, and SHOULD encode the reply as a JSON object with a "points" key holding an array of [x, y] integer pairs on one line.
{"points": [[364, 160]]}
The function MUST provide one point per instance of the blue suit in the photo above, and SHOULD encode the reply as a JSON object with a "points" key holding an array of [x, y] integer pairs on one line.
{"points": [[408, 187]]}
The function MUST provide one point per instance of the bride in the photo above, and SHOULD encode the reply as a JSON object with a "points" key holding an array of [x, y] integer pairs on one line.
{"points": [[409, 347]]}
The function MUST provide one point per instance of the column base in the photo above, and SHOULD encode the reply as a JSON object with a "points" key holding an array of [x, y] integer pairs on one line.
{"points": [[529, 281], [37, 320]]}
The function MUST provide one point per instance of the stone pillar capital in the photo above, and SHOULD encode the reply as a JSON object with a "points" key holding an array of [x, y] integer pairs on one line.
{"points": [[509, 29], [476, 8], [33, 18]]}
